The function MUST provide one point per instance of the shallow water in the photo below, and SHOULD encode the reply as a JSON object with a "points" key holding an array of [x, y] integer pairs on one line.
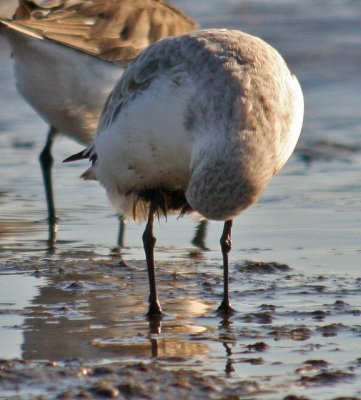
{"points": [[78, 303]]}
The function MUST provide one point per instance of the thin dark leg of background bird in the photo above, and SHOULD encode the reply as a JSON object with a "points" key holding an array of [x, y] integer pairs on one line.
{"points": [[46, 163], [226, 246], [117, 251], [149, 243], [121, 232], [200, 235]]}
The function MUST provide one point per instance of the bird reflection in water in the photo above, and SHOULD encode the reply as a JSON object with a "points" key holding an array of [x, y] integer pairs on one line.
{"points": [[228, 339], [90, 316]]}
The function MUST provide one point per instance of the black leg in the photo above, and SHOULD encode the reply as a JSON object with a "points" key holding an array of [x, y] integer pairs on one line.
{"points": [[122, 224], [226, 246], [120, 244], [46, 162], [149, 243]]}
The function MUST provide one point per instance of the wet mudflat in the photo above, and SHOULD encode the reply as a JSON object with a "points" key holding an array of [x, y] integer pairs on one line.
{"points": [[72, 322], [85, 334]]}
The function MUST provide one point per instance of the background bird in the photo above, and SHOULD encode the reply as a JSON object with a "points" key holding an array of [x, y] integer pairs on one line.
{"points": [[68, 54], [197, 123]]}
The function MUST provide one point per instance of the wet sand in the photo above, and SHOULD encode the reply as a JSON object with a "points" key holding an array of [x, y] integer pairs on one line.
{"points": [[85, 334], [134, 381]]}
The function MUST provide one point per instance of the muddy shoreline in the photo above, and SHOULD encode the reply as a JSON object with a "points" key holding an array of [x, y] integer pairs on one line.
{"points": [[85, 334]]}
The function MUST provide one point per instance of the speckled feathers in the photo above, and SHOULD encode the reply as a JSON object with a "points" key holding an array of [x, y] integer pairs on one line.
{"points": [[213, 113]]}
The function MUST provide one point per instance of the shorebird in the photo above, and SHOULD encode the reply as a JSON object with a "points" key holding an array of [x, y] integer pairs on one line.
{"points": [[70, 53], [197, 123]]}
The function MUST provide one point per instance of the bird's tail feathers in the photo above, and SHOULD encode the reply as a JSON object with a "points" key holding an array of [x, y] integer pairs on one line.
{"points": [[89, 153]]}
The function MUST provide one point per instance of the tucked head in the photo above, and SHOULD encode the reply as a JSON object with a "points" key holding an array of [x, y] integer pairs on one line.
{"points": [[213, 113], [199, 122]]}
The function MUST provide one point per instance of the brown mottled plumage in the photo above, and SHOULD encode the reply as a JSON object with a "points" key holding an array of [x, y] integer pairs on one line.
{"points": [[113, 30]]}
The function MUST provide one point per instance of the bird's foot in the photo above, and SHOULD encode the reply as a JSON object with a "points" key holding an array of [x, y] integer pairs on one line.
{"points": [[155, 310], [225, 308]]}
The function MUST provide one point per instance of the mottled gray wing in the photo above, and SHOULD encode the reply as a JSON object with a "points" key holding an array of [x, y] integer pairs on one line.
{"points": [[166, 57]]}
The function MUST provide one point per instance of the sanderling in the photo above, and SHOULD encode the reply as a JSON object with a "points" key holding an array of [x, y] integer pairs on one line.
{"points": [[68, 56], [199, 122]]}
